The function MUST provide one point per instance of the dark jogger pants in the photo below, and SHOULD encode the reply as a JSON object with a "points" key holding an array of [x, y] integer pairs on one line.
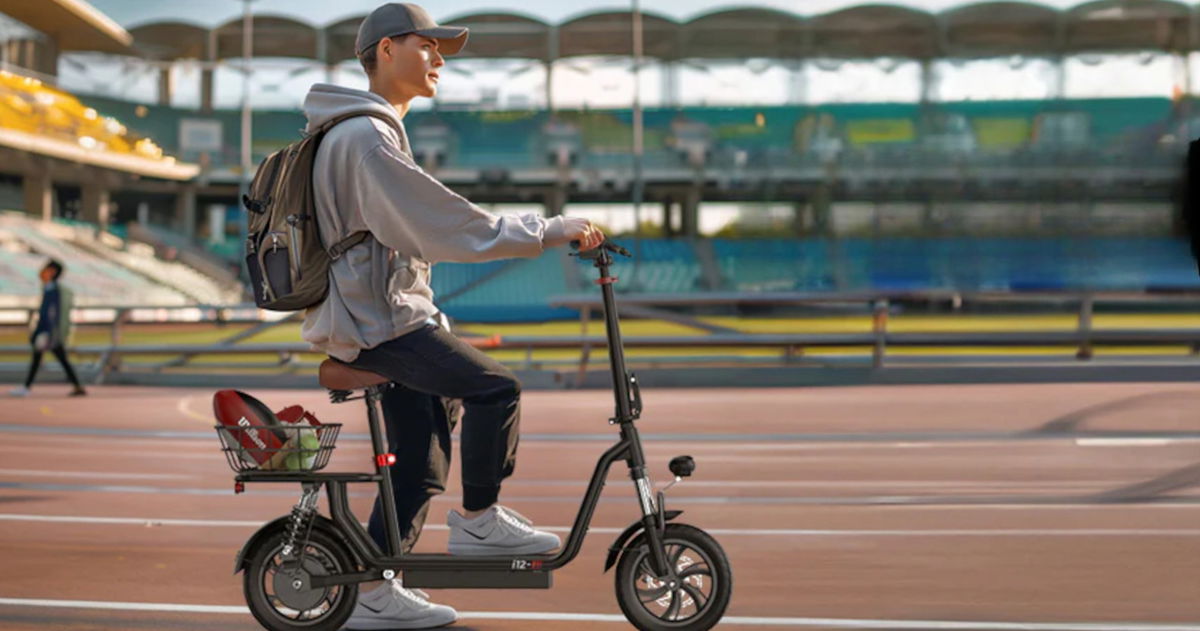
{"points": [[61, 354], [434, 370]]}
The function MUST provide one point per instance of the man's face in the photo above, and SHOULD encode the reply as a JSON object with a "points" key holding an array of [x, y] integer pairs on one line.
{"points": [[47, 274], [408, 65]]}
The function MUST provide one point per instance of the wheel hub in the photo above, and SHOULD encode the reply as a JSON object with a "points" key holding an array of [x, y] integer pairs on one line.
{"points": [[673, 584], [293, 585]]}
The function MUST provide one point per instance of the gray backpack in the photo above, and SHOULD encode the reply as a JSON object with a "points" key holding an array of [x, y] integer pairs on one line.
{"points": [[288, 264]]}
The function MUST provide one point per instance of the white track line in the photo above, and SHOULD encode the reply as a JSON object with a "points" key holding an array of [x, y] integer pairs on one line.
{"points": [[733, 532], [122, 606], [763, 484], [1129, 442], [841, 623], [93, 475], [187, 411]]}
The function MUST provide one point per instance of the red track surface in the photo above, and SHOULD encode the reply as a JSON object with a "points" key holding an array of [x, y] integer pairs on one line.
{"points": [[959, 522]]}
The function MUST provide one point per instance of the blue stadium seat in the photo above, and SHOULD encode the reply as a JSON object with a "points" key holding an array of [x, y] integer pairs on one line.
{"points": [[774, 264], [662, 266], [519, 293]]}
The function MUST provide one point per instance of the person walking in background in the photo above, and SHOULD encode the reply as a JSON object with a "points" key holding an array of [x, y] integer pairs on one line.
{"points": [[52, 330]]}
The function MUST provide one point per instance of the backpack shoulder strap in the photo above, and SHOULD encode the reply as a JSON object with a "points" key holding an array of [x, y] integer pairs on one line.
{"points": [[329, 124], [338, 249]]}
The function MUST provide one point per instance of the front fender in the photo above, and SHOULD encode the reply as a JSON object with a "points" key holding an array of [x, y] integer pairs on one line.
{"points": [[270, 528], [630, 533]]}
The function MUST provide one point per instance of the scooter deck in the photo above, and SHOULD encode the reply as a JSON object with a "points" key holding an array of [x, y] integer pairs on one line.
{"points": [[475, 579]]}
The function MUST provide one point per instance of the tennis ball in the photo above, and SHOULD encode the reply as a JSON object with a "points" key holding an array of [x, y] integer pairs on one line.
{"points": [[304, 453]]}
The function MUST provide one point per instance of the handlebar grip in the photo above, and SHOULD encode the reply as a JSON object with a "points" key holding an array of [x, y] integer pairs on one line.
{"points": [[605, 245]]}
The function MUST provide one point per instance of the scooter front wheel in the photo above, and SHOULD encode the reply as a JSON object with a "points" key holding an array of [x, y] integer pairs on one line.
{"points": [[278, 590], [694, 598]]}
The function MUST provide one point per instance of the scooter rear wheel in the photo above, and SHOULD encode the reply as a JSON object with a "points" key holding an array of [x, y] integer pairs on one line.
{"points": [[278, 593], [703, 582]]}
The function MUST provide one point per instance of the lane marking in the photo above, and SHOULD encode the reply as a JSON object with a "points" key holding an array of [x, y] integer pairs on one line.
{"points": [[1126, 442], [122, 606], [687, 500], [843, 623], [173, 454], [849, 484], [734, 532], [41, 473], [187, 411], [718, 441]]}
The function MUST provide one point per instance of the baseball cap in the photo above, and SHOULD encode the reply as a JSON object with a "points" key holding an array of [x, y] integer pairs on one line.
{"points": [[402, 18]]}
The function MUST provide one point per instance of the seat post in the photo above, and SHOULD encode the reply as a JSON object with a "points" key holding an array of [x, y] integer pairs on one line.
{"points": [[372, 396]]}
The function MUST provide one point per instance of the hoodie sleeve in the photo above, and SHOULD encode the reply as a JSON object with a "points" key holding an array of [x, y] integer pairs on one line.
{"points": [[408, 210]]}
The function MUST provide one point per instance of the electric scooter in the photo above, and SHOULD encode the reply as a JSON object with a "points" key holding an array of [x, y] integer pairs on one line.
{"points": [[302, 571]]}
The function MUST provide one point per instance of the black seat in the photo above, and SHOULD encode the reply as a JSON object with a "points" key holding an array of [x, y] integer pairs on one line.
{"points": [[335, 375]]}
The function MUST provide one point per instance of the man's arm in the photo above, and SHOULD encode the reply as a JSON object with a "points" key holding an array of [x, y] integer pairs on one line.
{"points": [[408, 210]]}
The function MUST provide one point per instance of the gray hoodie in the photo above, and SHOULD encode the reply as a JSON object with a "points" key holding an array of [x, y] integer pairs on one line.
{"points": [[365, 178]]}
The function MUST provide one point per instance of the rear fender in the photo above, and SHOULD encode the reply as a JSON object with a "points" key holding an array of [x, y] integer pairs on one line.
{"points": [[278, 525], [615, 550]]}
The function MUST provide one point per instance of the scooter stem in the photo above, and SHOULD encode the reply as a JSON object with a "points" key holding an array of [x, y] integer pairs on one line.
{"points": [[616, 349]]}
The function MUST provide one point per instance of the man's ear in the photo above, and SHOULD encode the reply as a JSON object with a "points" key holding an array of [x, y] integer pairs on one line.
{"points": [[385, 49]]}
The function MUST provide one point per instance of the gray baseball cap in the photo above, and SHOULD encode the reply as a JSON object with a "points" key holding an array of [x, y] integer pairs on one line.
{"points": [[402, 18]]}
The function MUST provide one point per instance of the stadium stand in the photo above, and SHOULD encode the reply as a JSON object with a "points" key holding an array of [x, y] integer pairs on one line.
{"points": [[1109, 131], [452, 279], [814, 154], [104, 269], [520, 292], [28, 106], [662, 266], [774, 264], [1100, 264]]}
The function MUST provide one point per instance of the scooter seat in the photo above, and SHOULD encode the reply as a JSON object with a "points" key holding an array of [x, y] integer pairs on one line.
{"points": [[335, 375]]}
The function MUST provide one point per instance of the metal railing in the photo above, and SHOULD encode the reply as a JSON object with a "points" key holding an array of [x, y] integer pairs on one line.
{"points": [[877, 342]]}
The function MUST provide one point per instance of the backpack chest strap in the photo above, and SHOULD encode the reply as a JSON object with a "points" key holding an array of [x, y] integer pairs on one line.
{"points": [[338, 249]]}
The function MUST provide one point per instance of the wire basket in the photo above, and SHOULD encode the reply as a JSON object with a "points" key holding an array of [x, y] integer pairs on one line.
{"points": [[286, 447]]}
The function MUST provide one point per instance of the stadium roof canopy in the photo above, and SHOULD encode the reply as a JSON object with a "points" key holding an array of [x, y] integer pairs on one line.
{"points": [[989, 29], [1000, 29], [72, 24], [172, 40], [1125, 25]]}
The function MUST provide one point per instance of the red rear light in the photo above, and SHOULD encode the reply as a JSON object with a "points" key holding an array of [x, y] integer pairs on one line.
{"points": [[385, 460]]}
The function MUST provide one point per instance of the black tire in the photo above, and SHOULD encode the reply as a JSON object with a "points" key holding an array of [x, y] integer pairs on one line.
{"points": [[699, 601], [324, 555]]}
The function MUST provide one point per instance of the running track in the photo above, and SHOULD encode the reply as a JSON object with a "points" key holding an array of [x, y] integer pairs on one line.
{"points": [[1041, 507]]}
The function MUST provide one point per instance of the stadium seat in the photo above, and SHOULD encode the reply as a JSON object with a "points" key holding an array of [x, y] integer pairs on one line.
{"points": [[30, 106]]}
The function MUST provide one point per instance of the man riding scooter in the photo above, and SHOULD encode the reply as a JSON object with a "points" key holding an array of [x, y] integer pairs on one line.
{"points": [[380, 316]]}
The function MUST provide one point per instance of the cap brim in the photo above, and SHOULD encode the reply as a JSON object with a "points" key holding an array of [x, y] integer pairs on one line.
{"points": [[451, 39]]}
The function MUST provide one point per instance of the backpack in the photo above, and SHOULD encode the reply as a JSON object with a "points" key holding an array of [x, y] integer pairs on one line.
{"points": [[288, 264]]}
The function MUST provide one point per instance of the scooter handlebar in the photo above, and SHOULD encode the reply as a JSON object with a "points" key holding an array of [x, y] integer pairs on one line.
{"points": [[606, 245]]}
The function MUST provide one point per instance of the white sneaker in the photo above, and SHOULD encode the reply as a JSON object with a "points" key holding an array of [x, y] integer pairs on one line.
{"points": [[19, 391], [390, 606], [498, 532]]}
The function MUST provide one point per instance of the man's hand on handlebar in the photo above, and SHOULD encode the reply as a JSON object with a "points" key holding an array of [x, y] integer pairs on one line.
{"points": [[583, 231]]}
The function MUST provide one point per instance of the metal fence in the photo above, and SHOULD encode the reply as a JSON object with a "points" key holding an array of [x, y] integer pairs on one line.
{"points": [[718, 344]]}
